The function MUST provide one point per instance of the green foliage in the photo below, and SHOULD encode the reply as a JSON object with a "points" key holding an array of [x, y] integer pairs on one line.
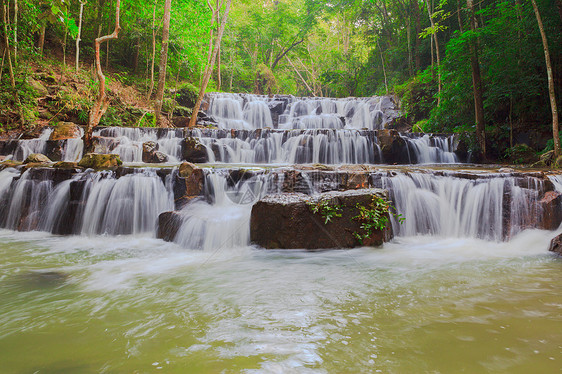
{"points": [[374, 217], [417, 96], [326, 209]]}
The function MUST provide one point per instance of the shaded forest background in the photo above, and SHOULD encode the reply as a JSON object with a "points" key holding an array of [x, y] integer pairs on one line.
{"points": [[419, 51]]}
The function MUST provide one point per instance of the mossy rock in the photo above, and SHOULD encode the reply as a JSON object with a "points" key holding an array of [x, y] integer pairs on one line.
{"points": [[38, 88], [558, 163], [66, 130], [539, 164], [66, 165], [37, 158], [99, 161]]}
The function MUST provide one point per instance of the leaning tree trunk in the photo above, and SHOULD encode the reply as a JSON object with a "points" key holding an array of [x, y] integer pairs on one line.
{"points": [[78, 36], [7, 46], [102, 103], [42, 38], [551, 91], [163, 62], [153, 52], [436, 53], [477, 84], [209, 68], [16, 10]]}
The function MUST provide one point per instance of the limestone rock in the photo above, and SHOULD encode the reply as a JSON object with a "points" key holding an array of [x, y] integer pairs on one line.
{"points": [[551, 206], [168, 225], [194, 151], [66, 130], [556, 245], [66, 165], [393, 147], [100, 161], [39, 88], [287, 221], [37, 158], [150, 153]]}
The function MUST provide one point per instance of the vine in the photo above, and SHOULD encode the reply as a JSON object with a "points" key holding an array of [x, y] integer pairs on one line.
{"points": [[374, 217], [326, 210]]}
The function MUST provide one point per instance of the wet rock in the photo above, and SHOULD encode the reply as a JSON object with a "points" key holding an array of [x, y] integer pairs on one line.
{"points": [[188, 184], [98, 161], [393, 147], [44, 278], [66, 165], [168, 225], [150, 153], [551, 207], [556, 245], [194, 151], [54, 149], [286, 221], [37, 158], [66, 130]]}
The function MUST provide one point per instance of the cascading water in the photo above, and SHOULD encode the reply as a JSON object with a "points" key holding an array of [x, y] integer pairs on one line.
{"points": [[494, 208], [87, 203], [294, 146], [128, 142], [26, 147], [222, 218]]}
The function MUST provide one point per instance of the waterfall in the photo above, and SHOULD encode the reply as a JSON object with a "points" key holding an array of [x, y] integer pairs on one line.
{"points": [[429, 149], [294, 146], [492, 208], [222, 218], [26, 147], [87, 202], [128, 142]]}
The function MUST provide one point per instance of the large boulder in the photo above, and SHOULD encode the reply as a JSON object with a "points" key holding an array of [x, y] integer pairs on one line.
{"points": [[168, 225], [194, 151], [66, 130], [393, 147], [150, 153], [37, 158], [188, 184], [98, 161], [551, 206], [556, 245], [329, 220]]}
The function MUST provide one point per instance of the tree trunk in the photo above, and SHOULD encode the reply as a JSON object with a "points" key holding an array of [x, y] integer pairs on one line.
{"points": [[477, 84], [79, 35], [219, 80], [153, 51], [416, 7], [383, 68], [42, 38], [209, 69], [436, 54], [551, 91], [137, 54], [101, 104], [16, 10], [163, 62], [64, 46], [7, 46]]}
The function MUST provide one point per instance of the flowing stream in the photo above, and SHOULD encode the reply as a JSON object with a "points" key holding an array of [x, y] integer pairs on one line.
{"points": [[467, 284]]}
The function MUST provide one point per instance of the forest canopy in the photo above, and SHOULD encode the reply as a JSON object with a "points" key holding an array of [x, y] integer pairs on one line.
{"points": [[421, 51]]}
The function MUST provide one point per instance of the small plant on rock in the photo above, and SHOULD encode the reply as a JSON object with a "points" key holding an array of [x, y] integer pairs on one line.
{"points": [[374, 217], [326, 210]]}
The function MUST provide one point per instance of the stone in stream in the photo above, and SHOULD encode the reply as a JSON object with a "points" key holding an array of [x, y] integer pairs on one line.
{"points": [[37, 158], [150, 153], [287, 221], [556, 245], [188, 184], [168, 225], [194, 151], [98, 161], [65, 130], [551, 206], [393, 147]]}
